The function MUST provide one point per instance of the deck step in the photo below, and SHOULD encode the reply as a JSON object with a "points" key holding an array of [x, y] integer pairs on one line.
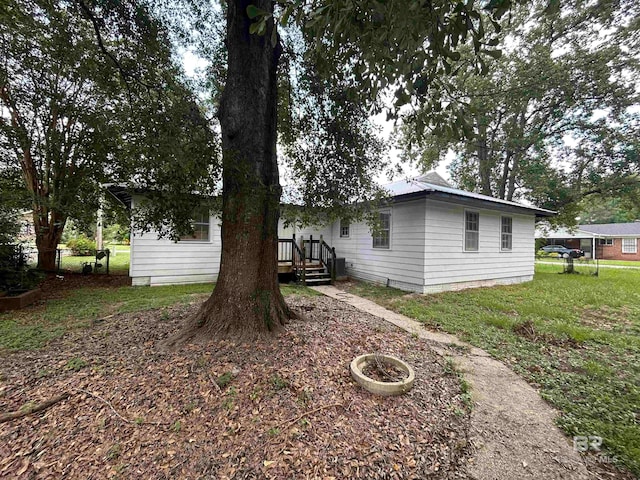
{"points": [[317, 275], [318, 281]]}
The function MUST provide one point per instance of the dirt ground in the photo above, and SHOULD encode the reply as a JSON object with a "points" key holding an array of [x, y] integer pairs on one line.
{"points": [[282, 408], [57, 286]]}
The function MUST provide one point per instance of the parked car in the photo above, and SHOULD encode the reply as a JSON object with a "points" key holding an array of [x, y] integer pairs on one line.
{"points": [[563, 251]]}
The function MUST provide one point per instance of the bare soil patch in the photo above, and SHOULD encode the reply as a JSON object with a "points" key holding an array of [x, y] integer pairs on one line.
{"points": [[280, 408], [58, 286]]}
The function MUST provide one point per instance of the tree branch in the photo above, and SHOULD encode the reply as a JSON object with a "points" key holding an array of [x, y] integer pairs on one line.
{"points": [[5, 417]]}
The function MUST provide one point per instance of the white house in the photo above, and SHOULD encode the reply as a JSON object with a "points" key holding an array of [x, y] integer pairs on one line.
{"points": [[433, 237]]}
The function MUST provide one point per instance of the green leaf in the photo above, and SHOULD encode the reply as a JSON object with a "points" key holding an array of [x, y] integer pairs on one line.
{"points": [[253, 12], [553, 7], [493, 53], [274, 36], [287, 13]]}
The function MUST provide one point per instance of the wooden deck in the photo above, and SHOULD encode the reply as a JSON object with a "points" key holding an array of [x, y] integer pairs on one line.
{"points": [[287, 267]]}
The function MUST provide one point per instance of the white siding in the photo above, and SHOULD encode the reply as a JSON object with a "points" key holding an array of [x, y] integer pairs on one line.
{"points": [[446, 262], [157, 261], [425, 255], [306, 232], [402, 264]]}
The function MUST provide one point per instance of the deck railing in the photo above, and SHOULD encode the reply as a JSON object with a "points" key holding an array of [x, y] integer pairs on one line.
{"points": [[299, 252]]}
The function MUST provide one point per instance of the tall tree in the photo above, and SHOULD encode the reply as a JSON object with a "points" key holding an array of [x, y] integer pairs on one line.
{"points": [[562, 76], [356, 53], [85, 100]]}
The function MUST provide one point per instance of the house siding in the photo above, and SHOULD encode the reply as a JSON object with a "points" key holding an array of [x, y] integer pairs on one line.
{"points": [[160, 261], [614, 252], [402, 264], [447, 266], [425, 252]]}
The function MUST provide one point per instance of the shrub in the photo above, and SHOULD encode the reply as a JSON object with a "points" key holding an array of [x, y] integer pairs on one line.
{"points": [[82, 246], [15, 274]]}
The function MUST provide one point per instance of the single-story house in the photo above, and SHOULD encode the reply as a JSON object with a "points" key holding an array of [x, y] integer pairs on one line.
{"points": [[432, 237], [609, 241]]}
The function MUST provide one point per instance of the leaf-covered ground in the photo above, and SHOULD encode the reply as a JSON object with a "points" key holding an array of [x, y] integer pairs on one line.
{"points": [[280, 408]]}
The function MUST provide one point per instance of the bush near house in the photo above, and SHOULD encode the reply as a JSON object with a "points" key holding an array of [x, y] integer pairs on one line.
{"points": [[82, 246]]}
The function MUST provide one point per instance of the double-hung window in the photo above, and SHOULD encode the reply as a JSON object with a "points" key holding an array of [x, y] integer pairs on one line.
{"points": [[471, 231], [629, 245], [506, 233], [607, 242], [344, 228], [382, 235], [200, 224]]}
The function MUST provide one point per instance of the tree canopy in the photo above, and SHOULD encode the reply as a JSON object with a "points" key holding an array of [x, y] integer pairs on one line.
{"points": [[89, 94], [550, 121]]}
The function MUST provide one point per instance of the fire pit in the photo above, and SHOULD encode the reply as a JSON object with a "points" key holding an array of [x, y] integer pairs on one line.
{"points": [[382, 374]]}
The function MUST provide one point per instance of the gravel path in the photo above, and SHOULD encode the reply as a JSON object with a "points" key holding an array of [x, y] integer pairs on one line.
{"points": [[512, 428]]}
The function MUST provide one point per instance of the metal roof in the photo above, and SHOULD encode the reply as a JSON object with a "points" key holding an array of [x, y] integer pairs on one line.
{"points": [[416, 187]]}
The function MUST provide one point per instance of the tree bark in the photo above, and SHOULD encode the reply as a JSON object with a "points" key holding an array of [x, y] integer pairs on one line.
{"points": [[246, 302], [48, 226], [484, 162]]}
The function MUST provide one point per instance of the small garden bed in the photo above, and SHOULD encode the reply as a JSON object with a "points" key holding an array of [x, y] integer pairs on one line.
{"points": [[17, 299]]}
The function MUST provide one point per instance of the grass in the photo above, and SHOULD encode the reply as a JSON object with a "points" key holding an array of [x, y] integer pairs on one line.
{"points": [[574, 337], [33, 327], [118, 263]]}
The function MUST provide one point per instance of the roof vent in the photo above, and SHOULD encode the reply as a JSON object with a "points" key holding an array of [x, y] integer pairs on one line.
{"points": [[434, 178]]}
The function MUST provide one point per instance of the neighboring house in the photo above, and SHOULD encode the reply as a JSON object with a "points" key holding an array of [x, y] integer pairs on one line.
{"points": [[432, 238], [609, 241]]}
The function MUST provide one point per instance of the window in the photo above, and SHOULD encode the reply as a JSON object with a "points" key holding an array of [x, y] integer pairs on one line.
{"points": [[607, 242], [344, 228], [200, 224], [471, 231], [383, 232], [506, 240], [629, 245]]}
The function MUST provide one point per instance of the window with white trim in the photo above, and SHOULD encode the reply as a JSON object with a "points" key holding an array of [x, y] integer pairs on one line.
{"points": [[344, 228], [506, 233], [200, 225], [471, 231], [606, 242], [629, 245], [382, 235]]}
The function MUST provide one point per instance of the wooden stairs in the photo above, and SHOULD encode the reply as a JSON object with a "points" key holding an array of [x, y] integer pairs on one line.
{"points": [[311, 262], [316, 274]]}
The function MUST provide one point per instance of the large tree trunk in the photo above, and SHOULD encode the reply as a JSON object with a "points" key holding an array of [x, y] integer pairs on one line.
{"points": [[246, 302], [48, 228]]}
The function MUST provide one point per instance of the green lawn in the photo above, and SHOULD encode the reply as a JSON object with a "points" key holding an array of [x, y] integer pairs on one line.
{"points": [[574, 337], [33, 327], [118, 263]]}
